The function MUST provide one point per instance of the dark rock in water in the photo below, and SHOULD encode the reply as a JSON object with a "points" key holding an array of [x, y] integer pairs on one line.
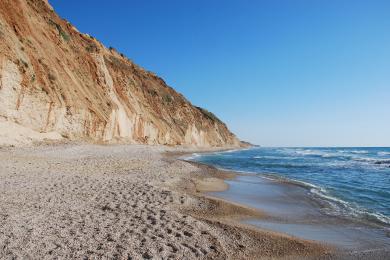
{"points": [[383, 162]]}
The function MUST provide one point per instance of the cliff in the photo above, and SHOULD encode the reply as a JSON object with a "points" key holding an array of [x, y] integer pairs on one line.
{"points": [[56, 82]]}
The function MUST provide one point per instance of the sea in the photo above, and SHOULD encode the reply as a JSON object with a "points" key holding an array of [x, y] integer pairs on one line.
{"points": [[353, 182]]}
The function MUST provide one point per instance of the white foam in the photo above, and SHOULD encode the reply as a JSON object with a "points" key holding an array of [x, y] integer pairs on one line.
{"points": [[347, 208], [268, 157], [328, 155], [236, 150], [365, 159], [336, 205], [191, 157], [359, 151]]}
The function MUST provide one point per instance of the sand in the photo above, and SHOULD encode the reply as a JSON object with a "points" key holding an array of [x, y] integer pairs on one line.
{"points": [[88, 201], [12, 134]]}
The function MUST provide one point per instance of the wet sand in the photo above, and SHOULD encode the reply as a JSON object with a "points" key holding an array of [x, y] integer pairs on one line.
{"points": [[83, 201]]}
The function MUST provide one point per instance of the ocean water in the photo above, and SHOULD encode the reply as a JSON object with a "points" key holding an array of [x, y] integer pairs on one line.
{"points": [[351, 182]]}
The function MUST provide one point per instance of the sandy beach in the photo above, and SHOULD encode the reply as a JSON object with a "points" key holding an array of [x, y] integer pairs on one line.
{"points": [[102, 157], [126, 202]]}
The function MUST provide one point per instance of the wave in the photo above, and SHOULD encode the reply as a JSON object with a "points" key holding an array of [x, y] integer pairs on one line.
{"points": [[237, 150], [373, 160], [336, 155], [309, 152], [344, 208], [385, 162], [197, 155], [339, 207], [307, 185], [323, 154], [227, 152], [269, 157], [321, 166], [190, 157], [359, 151], [327, 155], [340, 160]]}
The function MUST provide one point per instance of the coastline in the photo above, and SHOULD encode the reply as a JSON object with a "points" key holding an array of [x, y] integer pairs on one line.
{"points": [[300, 217], [127, 201], [72, 200], [219, 210]]}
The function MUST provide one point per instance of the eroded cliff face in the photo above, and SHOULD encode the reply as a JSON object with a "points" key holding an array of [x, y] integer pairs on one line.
{"points": [[55, 79]]}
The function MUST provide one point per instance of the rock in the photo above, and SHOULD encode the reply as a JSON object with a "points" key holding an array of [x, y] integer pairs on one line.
{"points": [[383, 162]]}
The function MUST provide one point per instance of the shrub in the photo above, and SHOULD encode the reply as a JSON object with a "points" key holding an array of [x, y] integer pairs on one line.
{"points": [[64, 35], [91, 48], [152, 92], [167, 98], [208, 114], [61, 32], [114, 61]]}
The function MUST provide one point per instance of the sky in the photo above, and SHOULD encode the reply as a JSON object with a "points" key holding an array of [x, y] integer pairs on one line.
{"points": [[278, 72]]}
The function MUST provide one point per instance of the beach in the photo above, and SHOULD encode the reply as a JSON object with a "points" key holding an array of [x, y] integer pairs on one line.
{"points": [[248, 130], [126, 202], [147, 202], [305, 210]]}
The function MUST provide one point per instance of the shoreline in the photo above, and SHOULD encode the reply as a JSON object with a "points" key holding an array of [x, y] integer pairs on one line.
{"points": [[318, 197], [235, 214], [348, 245], [126, 201], [133, 201]]}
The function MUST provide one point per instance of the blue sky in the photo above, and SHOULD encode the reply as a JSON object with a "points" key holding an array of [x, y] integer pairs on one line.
{"points": [[278, 72]]}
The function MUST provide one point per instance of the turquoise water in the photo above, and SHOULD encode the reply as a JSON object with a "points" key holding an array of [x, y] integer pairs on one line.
{"points": [[352, 182]]}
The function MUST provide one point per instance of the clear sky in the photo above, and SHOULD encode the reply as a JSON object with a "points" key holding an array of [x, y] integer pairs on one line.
{"points": [[278, 72]]}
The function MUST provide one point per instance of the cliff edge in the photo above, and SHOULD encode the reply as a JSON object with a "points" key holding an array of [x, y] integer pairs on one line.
{"points": [[56, 82]]}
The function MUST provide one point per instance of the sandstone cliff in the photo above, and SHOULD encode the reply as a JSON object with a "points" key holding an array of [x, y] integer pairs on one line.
{"points": [[55, 79]]}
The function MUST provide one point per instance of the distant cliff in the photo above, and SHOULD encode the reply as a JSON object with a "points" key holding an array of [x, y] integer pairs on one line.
{"points": [[56, 81]]}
